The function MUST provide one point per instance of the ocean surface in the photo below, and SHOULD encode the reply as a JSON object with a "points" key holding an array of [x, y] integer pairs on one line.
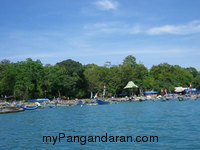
{"points": [[177, 125]]}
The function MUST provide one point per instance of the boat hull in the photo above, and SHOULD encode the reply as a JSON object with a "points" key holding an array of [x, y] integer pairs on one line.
{"points": [[29, 108], [100, 102], [5, 110]]}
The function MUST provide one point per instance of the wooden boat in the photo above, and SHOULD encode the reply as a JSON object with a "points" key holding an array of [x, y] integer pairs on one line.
{"points": [[101, 102], [29, 107], [8, 109]]}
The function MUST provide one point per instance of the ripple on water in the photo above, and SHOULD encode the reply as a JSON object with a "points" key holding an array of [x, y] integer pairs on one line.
{"points": [[175, 123]]}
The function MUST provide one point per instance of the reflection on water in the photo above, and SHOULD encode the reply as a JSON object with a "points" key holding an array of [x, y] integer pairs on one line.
{"points": [[175, 123]]}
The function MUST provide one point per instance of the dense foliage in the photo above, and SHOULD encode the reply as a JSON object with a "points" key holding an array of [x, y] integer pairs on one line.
{"points": [[70, 79]]}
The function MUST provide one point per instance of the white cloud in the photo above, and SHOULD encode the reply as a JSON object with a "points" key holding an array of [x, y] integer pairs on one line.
{"points": [[190, 28], [106, 4], [123, 28]]}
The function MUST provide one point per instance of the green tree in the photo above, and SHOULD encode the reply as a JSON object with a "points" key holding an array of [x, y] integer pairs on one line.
{"points": [[7, 79], [29, 79], [130, 60], [169, 76], [96, 77], [196, 82], [193, 71], [67, 78]]}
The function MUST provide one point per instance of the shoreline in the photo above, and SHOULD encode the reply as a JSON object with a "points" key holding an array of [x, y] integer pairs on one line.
{"points": [[71, 102]]}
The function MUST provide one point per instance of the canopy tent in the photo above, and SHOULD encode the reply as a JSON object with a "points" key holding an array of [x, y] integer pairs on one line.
{"points": [[130, 85], [150, 92], [38, 100], [179, 89], [191, 90]]}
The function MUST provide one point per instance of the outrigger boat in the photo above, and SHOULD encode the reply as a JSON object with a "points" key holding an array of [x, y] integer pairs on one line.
{"points": [[29, 107], [92, 101], [101, 102], [39, 102], [10, 109]]}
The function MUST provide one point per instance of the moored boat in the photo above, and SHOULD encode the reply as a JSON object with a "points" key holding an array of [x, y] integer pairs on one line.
{"points": [[10, 109], [101, 102], [29, 107]]}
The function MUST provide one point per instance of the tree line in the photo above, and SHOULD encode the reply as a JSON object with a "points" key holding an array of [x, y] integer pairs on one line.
{"points": [[70, 79]]}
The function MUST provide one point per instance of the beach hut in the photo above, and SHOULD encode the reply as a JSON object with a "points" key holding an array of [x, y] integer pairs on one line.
{"points": [[130, 85]]}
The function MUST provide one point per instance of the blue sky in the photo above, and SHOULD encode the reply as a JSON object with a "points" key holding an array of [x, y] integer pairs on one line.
{"points": [[96, 31]]}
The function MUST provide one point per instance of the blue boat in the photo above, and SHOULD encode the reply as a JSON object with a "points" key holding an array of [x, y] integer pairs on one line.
{"points": [[38, 100], [100, 102], [29, 108]]}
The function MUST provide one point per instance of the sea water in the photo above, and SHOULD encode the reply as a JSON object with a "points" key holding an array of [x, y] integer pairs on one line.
{"points": [[175, 123]]}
